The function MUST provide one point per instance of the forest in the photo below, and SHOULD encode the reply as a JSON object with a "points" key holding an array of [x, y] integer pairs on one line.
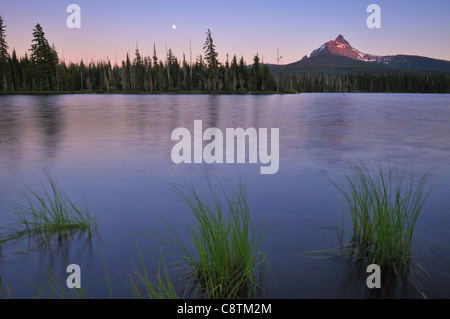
{"points": [[42, 71]]}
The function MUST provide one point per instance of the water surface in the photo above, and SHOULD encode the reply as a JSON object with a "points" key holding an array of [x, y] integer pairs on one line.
{"points": [[116, 150]]}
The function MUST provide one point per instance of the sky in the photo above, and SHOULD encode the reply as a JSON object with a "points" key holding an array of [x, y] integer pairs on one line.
{"points": [[110, 29]]}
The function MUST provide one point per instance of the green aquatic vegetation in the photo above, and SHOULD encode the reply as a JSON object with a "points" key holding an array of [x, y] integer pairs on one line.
{"points": [[146, 285], [47, 213], [225, 246], [384, 207]]}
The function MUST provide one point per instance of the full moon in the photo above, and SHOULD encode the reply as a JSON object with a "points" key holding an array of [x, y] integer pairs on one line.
{"points": [[174, 26]]}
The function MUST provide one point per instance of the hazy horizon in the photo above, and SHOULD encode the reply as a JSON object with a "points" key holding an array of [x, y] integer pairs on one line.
{"points": [[110, 29]]}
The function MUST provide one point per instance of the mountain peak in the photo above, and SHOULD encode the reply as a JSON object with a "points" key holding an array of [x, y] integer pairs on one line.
{"points": [[342, 47], [341, 39]]}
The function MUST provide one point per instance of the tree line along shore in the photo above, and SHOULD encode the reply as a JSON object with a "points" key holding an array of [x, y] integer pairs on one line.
{"points": [[43, 72]]}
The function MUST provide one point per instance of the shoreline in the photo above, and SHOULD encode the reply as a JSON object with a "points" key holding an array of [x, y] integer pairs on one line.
{"points": [[197, 93], [144, 93]]}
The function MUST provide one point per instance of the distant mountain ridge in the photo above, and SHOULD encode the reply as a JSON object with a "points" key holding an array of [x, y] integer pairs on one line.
{"points": [[339, 56]]}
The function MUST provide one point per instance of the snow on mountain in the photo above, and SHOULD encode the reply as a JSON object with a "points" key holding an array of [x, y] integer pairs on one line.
{"points": [[342, 47]]}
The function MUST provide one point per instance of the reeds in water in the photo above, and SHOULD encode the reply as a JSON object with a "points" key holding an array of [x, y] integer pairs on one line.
{"points": [[384, 207], [157, 285], [48, 213], [226, 242]]}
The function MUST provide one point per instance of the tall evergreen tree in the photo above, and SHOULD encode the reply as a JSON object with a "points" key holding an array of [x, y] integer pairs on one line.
{"points": [[4, 58], [226, 75], [44, 59], [211, 60], [173, 66], [267, 80], [139, 71], [242, 73], [156, 71], [15, 71], [234, 72], [256, 74]]}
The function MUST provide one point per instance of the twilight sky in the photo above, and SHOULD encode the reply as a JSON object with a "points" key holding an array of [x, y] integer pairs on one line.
{"points": [[246, 27]]}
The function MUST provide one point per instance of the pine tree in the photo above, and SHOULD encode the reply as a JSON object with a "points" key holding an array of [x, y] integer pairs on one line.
{"points": [[44, 59], [4, 58], [155, 58], [256, 74], [129, 71], [226, 75], [147, 74], [211, 60], [234, 72], [15, 68], [25, 66], [156, 71], [174, 67], [242, 74], [124, 77], [186, 84], [267, 79], [139, 71]]}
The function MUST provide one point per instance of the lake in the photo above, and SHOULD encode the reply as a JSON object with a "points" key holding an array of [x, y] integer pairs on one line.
{"points": [[116, 150]]}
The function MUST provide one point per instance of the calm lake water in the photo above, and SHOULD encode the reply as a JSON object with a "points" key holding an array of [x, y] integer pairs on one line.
{"points": [[116, 149]]}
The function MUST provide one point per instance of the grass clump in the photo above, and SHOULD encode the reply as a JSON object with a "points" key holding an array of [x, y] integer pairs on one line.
{"points": [[226, 242], [48, 213], [159, 286], [384, 207]]}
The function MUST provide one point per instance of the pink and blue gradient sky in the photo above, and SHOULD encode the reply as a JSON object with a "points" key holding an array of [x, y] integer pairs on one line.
{"points": [[245, 27]]}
